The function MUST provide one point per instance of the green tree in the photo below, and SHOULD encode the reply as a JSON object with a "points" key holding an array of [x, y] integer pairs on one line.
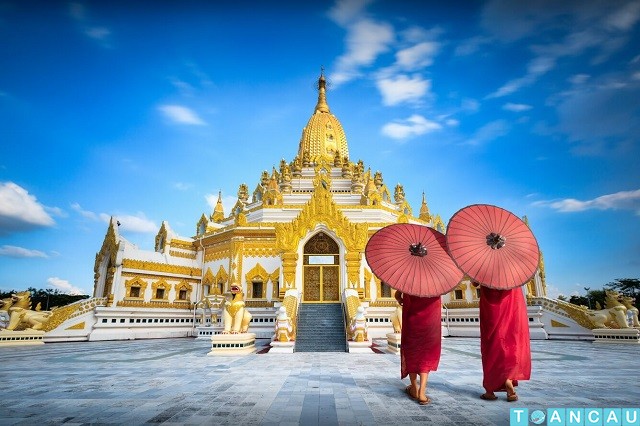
{"points": [[47, 298], [627, 286]]}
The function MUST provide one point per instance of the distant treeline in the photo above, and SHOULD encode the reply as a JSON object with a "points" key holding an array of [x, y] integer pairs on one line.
{"points": [[48, 298], [626, 286]]}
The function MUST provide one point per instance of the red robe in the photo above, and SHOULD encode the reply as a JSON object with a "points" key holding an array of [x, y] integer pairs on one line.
{"points": [[421, 336], [504, 338]]}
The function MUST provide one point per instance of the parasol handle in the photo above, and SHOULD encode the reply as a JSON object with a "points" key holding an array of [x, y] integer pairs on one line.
{"points": [[496, 241], [417, 249]]}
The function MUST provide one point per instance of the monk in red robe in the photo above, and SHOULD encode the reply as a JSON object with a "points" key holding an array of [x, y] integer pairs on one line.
{"points": [[504, 341], [421, 340]]}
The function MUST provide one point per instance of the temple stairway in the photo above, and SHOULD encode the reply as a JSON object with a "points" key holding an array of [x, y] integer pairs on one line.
{"points": [[320, 328]]}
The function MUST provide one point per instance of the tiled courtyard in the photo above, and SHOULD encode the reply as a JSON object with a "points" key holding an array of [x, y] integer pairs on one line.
{"points": [[173, 381]]}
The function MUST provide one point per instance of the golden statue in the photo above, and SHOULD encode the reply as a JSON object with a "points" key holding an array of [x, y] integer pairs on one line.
{"points": [[235, 316], [21, 317], [632, 311], [284, 326], [358, 329], [614, 315]]}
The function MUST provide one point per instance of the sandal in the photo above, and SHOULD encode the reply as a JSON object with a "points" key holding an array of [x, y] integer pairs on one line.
{"points": [[424, 401], [513, 397], [407, 390], [488, 397]]}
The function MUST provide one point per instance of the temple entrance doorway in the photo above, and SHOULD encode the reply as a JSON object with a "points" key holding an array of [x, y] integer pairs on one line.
{"points": [[321, 270]]}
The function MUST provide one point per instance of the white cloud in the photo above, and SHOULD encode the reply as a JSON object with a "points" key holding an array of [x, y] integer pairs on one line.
{"points": [[132, 223], [84, 213], [181, 186], [20, 252], [598, 118], [402, 88], [579, 79], [366, 40], [345, 11], [471, 45], [589, 31], [623, 200], [138, 223], [20, 210], [181, 115], [624, 18], [489, 132], [65, 286], [413, 126], [470, 105], [516, 107], [537, 67], [417, 56], [98, 33]]}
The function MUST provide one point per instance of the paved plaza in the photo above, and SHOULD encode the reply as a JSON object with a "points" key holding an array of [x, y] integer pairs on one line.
{"points": [[174, 382]]}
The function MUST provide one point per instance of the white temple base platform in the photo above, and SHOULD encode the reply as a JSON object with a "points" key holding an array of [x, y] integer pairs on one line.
{"points": [[393, 343], [282, 347], [614, 335], [233, 344], [360, 347], [21, 338]]}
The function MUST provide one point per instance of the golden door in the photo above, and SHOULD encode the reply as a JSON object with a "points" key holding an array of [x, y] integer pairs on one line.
{"points": [[321, 270]]}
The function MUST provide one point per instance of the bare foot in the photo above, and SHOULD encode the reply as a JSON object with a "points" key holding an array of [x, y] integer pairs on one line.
{"points": [[511, 392]]}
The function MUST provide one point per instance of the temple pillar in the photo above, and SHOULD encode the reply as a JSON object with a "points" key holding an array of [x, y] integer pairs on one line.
{"points": [[353, 273], [289, 264]]}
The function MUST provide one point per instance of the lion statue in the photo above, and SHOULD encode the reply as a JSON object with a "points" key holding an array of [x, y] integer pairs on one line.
{"points": [[235, 316], [613, 316], [632, 311], [284, 327], [21, 317]]}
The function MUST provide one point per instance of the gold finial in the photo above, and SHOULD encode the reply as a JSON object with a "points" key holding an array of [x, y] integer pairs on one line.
{"points": [[218, 211], [424, 210], [322, 105]]}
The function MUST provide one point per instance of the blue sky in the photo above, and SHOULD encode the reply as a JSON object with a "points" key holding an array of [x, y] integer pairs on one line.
{"points": [[145, 111]]}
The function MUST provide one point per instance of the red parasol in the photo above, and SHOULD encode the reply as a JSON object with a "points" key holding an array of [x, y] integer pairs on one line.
{"points": [[413, 259], [492, 246]]}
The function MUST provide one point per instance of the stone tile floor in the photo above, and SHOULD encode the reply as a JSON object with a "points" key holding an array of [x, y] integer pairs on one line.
{"points": [[174, 382]]}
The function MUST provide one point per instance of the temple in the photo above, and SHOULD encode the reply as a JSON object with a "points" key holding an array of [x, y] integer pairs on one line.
{"points": [[293, 241]]}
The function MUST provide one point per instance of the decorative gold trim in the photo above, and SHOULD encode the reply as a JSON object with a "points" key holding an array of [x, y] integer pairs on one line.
{"points": [[78, 326], [182, 254], [154, 304], [160, 267]]}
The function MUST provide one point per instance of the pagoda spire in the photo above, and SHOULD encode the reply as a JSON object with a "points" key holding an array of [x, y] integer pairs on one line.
{"points": [[218, 211], [322, 105], [424, 210]]}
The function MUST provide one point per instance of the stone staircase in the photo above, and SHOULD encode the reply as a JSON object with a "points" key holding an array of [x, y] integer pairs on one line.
{"points": [[320, 328]]}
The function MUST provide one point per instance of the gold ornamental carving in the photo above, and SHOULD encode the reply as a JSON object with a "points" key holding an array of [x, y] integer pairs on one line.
{"points": [[155, 277], [107, 253], [160, 267], [182, 254], [321, 209], [208, 277], [257, 273]]}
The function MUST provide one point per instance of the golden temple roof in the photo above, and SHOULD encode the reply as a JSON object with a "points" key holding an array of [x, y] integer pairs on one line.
{"points": [[323, 135]]}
